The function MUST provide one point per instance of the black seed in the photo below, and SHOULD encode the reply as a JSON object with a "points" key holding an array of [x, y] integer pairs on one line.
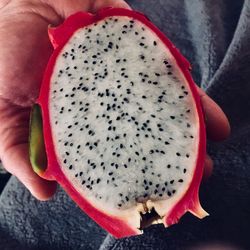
{"points": [[172, 117], [110, 45], [144, 97], [168, 166], [155, 43], [126, 100], [180, 180], [172, 182], [178, 154]]}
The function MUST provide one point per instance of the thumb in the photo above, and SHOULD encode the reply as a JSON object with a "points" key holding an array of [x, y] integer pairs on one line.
{"points": [[66, 8], [14, 150], [16, 161]]}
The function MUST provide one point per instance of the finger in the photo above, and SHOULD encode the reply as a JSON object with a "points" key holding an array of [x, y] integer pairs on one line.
{"points": [[217, 124], [66, 8], [99, 4], [208, 168], [16, 161]]}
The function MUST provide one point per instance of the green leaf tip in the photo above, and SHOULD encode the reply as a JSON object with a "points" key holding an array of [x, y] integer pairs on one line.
{"points": [[37, 152]]}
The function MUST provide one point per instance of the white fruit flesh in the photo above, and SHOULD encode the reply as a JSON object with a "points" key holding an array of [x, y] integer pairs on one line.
{"points": [[124, 123]]}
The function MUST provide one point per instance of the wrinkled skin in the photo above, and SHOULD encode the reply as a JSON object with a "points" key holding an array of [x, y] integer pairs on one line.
{"points": [[25, 50]]}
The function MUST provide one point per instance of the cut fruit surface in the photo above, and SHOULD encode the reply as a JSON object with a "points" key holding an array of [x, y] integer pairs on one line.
{"points": [[122, 122]]}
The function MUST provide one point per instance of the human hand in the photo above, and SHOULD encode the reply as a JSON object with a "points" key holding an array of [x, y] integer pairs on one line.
{"points": [[25, 50]]}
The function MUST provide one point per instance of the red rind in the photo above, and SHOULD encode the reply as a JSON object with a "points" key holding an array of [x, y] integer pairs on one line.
{"points": [[117, 227], [60, 35]]}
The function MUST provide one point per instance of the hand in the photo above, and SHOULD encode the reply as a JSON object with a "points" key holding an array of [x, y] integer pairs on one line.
{"points": [[25, 50]]}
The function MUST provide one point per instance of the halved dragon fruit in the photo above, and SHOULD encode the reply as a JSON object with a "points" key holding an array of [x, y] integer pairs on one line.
{"points": [[122, 122]]}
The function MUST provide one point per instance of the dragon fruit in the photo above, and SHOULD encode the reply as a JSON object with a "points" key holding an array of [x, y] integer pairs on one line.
{"points": [[121, 122]]}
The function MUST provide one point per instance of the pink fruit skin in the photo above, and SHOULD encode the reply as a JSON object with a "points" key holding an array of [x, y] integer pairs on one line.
{"points": [[117, 227]]}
